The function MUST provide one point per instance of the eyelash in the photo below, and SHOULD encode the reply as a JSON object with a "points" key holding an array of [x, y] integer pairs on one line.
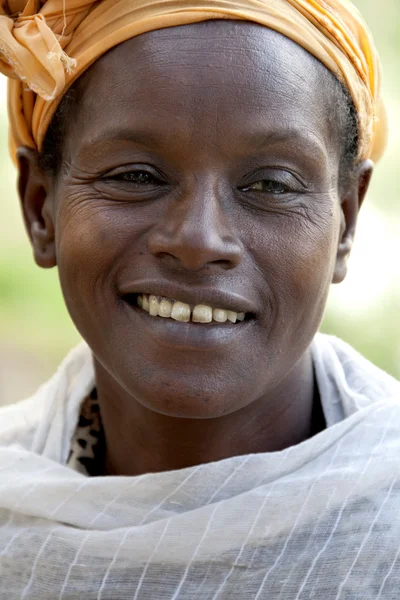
{"points": [[127, 177], [284, 189]]}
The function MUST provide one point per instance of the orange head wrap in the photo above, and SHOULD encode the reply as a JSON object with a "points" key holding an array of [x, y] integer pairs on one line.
{"points": [[46, 44]]}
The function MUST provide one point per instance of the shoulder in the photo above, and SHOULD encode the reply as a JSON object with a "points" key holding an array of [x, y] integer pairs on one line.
{"points": [[50, 412], [349, 382]]}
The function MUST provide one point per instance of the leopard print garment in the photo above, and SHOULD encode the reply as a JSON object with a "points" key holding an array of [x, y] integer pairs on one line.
{"points": [[88, 445]]}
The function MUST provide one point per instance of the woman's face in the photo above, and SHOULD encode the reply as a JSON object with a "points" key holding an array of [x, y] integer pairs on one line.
{"points": [[200, 166]]}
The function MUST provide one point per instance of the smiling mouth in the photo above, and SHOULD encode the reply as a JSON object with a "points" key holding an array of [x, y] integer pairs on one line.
{"points": [[167, 308]]}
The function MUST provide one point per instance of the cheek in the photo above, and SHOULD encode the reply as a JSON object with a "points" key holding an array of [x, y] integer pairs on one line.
{"points": [[312, 255], [297, 254], [93, 237]]}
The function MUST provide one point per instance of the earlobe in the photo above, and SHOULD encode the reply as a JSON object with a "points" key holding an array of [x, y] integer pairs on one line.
{"points": [[34, 192], [351, 202], [343, 254]]}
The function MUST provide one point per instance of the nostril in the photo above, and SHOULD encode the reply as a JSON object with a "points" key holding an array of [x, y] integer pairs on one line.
{"points": [[225, 264]]}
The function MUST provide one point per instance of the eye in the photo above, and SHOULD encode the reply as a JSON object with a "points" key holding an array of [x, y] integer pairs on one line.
{"points": [[133, 183], [138, 177], [267, 186]]}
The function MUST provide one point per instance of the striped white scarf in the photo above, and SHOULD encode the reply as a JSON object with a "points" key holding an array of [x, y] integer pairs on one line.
{"points": [[318, 520]]}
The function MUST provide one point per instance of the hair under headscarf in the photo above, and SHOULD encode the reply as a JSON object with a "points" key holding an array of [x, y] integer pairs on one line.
{"points": [[45, 45]]}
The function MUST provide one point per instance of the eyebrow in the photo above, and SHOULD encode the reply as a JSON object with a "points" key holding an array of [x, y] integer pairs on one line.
{"points": [[257, 140], [141, 138], [302, 136]]}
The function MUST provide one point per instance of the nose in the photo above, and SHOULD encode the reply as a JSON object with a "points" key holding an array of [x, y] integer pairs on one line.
{"points": [[195, 233]]}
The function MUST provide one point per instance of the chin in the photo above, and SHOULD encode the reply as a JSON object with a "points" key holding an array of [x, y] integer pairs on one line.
{"points": [[189, 400]]}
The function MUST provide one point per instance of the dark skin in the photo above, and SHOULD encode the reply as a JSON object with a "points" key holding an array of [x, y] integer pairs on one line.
{"points": [[208, 172]]}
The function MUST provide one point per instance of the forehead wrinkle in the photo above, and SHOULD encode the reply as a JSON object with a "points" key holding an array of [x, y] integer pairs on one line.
{"points": [[159, 91]]}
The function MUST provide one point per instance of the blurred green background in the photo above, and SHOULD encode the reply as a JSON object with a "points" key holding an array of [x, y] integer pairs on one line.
{"points": [[35, 329]]}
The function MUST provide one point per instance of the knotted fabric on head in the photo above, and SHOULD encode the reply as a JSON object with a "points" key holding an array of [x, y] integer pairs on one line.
{"points": [[46, 45]]}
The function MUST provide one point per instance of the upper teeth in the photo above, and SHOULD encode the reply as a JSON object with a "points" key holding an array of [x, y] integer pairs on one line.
{"points": [[158, 306]]}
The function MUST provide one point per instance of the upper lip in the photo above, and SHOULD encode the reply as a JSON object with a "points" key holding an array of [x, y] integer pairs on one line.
{"points": [[211, 296]]}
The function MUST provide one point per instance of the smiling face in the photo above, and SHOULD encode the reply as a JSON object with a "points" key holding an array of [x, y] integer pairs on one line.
{"points": [[200, 167]]}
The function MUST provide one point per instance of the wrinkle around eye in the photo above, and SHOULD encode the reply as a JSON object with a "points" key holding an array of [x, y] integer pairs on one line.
{"points": [[92, 188], [81, 205], [125, 192], [78, 199], [311, 207]]}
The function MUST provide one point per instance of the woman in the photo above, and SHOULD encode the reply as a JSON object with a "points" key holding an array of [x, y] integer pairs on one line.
{"points": [[195, 170]]}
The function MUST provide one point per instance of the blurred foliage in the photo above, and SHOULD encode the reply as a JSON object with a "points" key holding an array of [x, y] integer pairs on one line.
{"points": [[35, 329]]}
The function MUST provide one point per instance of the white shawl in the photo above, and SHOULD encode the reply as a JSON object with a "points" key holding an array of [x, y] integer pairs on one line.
{"points": [[318, 520]]}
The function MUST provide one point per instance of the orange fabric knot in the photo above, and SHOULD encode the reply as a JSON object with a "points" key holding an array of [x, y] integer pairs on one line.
{"points": [[14, 8], [32, 41]]}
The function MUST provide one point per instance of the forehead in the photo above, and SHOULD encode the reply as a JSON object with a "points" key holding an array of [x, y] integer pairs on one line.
{"points": [[212, 79]]}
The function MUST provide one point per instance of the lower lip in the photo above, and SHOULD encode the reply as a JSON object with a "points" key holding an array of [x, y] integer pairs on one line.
{"points": [[190, 336]]}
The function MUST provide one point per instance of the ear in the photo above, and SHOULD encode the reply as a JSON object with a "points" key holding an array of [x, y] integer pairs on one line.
{"points": [[351, 201], [34, 187]]}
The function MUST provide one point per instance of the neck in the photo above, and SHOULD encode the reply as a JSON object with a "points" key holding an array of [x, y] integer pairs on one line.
{"points": [[139, 440]]}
